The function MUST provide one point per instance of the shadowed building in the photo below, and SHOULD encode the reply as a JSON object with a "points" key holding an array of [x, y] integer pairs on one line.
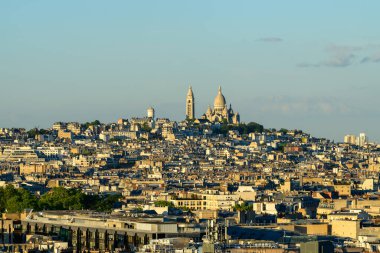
{"points": [[94, 231]]}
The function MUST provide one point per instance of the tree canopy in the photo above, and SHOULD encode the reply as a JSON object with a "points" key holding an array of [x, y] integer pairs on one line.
{"points": [[35, 131], [62, 199], [243, 207], [93, 123], [163, 203], [16, 200], [242, 128], [146, 128]]}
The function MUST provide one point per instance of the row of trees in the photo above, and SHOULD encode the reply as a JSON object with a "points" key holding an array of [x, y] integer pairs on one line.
{"points": [[163, 203], [93, 123], [242, 128], [35, 131], [16, 200]]}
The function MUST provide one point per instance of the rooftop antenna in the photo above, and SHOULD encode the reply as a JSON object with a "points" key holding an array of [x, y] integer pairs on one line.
{"points": [[30, 214]]}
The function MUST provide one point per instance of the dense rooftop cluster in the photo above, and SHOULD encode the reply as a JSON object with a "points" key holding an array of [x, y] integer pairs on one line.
{"points": [[221, 186]]}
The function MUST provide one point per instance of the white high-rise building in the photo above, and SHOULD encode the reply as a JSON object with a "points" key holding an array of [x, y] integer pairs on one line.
{"points": [[362, 139], [350, 139], [150, 112]]}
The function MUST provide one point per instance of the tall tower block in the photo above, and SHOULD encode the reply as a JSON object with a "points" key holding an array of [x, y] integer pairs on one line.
{"points": [[190, 104]]}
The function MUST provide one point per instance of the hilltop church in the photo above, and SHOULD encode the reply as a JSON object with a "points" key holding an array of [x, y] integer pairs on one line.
{"points": [[219, 113]]}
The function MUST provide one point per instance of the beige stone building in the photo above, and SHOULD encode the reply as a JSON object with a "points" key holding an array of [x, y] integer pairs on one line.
{"points": [[313, 229], [39, 168], [345, 228], [220, 112], [63, 134], [209, 200], [329, 206], [343, 189]]}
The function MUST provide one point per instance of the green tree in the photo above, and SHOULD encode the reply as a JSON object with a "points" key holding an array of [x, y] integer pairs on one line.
{"points": [[115, 139], [163, 203], [28, 200], [254, 127], [281, 146], [242, 128], [101, 204], [146, 128], [16, 200], [62, 199], [87, 152], [35, 131], [94, 123], [243, 207], [13, 205]]}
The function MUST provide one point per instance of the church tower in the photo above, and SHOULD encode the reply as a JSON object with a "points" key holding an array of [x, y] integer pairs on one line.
{"points": [[190, 104]]}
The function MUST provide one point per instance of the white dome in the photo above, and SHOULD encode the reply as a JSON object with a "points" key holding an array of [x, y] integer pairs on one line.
{"points": [[219, 101]]}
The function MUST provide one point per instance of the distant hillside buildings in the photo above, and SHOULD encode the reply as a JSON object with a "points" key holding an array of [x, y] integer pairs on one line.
{"points": [[360, 140]]}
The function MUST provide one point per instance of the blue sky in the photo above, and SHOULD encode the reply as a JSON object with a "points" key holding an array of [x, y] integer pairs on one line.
{"points": [[292, 64]]}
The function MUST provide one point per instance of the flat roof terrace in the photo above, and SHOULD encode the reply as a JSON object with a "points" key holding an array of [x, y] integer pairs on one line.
{"points": [[105, 222]]}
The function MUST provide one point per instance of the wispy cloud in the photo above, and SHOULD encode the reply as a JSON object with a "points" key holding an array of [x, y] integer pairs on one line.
{"points": [[270, 39], [306, 105], [340, 56], [375, 58], [339, 60], [344, 56]]}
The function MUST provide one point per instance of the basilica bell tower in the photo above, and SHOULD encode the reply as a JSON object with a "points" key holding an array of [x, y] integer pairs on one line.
{"points": [[190, 104]]}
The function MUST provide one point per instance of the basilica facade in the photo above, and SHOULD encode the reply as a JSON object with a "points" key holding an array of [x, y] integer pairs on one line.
{"points": [[219, 113]]}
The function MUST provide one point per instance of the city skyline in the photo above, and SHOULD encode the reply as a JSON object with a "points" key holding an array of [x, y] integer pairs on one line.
{"points": [[198, 115], [298, 66], [189, 126]]}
